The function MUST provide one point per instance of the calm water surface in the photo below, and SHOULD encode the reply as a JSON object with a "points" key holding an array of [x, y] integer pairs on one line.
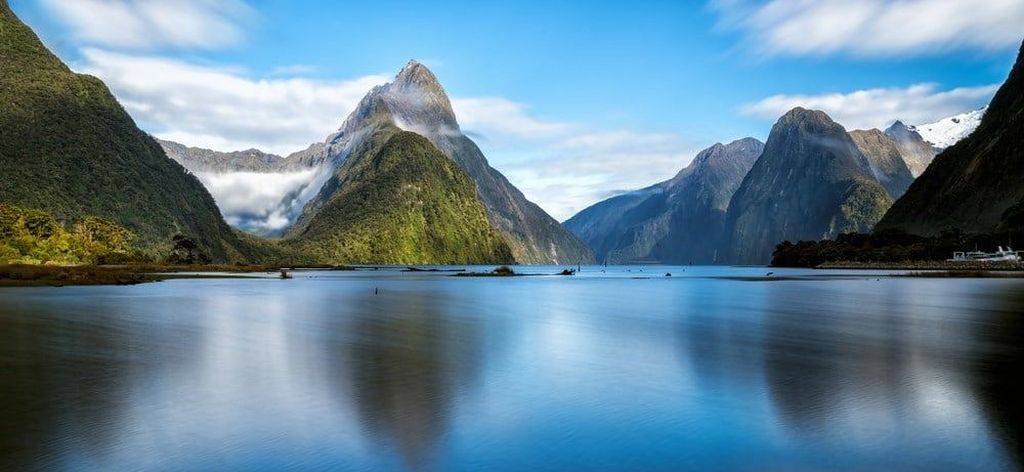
{"points": [[706, 370]]}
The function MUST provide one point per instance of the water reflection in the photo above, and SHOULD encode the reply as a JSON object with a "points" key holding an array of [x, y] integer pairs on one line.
{"points": [[36, 371], [999, 369], [410, 358], [519, 374]]}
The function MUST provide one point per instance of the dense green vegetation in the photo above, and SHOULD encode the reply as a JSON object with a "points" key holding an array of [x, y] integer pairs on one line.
{"points": [[398, 199], [30, 236], [68, 147], [864, 204]]}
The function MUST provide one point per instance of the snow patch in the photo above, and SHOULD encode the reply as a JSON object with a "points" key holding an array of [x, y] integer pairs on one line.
{"points": [[949, 131]]}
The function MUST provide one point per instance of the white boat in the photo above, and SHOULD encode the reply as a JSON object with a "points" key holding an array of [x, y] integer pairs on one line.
{"points": [[1002, 255]]}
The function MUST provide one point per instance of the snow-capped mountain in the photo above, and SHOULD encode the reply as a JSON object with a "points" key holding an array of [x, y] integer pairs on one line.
{"points": [[948, 131]]}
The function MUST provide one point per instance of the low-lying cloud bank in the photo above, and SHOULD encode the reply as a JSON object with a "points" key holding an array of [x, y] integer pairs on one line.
{"points": [[257, 202]]}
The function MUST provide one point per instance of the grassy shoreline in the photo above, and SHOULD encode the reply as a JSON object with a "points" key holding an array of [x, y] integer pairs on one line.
{"points": [[25, 275]]}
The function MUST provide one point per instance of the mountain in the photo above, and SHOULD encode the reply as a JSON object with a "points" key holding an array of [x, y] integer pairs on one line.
{"points": [[885, 160], [916, 152], [69, 148], [416, 102], [198, 160], [810, 182], [973, 183], [399, 200], [920, 144], [949, 131], [676, 221]]}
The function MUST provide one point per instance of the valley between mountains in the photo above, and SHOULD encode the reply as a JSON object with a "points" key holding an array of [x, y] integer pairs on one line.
{"points": [[399, 182]]}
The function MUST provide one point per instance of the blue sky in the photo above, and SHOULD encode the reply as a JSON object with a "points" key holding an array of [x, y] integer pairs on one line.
{"points": [[572, 100]]}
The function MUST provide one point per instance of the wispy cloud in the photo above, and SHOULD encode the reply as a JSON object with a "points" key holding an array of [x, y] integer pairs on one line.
{"points": [[566, 178], [565, 166], [495, 115], [879, 107], [222, 108], [873, 28], [562, 166], [149, 24]]}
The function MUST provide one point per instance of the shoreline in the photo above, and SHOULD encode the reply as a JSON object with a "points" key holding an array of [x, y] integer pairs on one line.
{"points": [[969, 266], [19, 275]]}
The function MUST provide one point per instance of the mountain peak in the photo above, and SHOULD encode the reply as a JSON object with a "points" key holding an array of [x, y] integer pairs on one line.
{"points": [[803, 115], [414, 101], [416, 74]]}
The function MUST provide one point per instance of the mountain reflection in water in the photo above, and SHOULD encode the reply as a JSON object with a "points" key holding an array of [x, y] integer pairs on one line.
{"points": [[406, 371]]}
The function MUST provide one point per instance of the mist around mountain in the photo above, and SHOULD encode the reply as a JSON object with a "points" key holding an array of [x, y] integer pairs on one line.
{"points": [[279, 196], [398, 200], [678, 221], [257, 192], [69, 148], [916, 152], [885, 160]]}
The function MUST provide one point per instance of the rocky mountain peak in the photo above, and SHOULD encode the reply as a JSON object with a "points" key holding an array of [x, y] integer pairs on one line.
{"points": [[415, 73], [810, 120], [415, 101]]}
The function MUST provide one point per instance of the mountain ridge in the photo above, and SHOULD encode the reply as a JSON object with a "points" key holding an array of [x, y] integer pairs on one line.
{"points": [[678, 220], [70, 148], [416, 101], [810, 182], [971, 185]]}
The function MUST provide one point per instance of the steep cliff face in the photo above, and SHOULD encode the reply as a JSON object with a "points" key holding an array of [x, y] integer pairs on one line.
{"points": [[916, 152], [885, 160], [974, 182], [68, 147], [676, 221], [810, 182], [416, 102]]}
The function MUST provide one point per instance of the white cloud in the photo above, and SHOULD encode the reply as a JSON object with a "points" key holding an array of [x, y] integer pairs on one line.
{"points": [[493, 115], [223, 109], [566, 166], [561, 166], [582, 169], [875, 28], [254, 201], [148, 24], [879, 107]]}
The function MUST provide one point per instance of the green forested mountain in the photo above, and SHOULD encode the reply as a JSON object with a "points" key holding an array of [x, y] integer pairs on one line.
{"points": [[415, 101], [67, 147], [398, 199]]}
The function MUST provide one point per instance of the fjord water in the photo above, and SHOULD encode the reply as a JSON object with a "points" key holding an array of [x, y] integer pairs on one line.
{"points": [[626, 369]]}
